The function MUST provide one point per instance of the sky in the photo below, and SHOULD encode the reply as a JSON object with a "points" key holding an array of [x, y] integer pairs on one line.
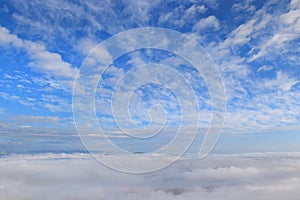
{"points": [[92, 89], [253, 47]]}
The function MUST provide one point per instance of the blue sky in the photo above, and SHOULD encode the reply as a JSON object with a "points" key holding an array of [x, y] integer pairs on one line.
{"points": [[254, 44]]}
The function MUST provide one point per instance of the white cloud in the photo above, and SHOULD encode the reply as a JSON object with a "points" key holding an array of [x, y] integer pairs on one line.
{"points": [[268, 33], [139, 10], [287, 29], [195, 8], [282, 82], [42, 60], [47, 20], [294, 4], [240, 35], [257, 103], [274, 44], [210, 22], [23, 20], [265, 68], [36, 119], [293, 16], [18, 121], [86, 45], [77, 176], [245, 6]]}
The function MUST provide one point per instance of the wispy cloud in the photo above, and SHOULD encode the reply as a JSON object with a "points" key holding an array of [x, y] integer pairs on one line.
{"points": [[255, 46], [42, 60]]}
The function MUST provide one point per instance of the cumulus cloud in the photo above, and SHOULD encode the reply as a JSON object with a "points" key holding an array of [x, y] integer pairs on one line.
{"points": [[77, 176], [210, 22]]}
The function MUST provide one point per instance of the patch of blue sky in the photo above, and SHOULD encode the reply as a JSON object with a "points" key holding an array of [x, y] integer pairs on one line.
{"points": [[255, 45]]}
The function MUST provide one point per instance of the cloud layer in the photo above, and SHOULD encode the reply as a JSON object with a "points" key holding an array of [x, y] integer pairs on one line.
{"points": [[77, 176]]}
